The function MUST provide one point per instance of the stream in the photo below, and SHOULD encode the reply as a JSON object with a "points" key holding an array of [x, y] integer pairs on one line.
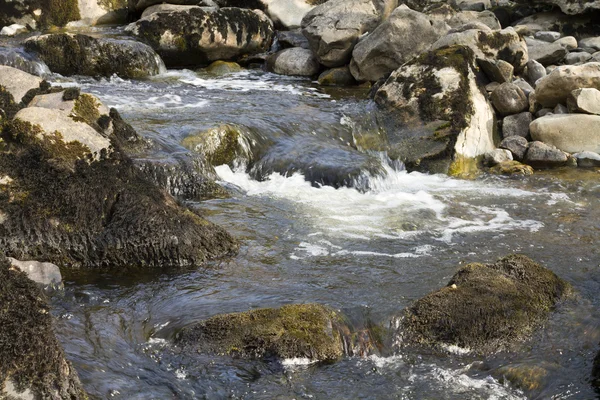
{"points": [[368, 245]]}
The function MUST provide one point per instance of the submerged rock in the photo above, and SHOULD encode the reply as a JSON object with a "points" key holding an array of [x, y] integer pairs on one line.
{"points": [[340, 76], [293, 331], [32, 362], [485, 307], [76, 54], [195, 37]]}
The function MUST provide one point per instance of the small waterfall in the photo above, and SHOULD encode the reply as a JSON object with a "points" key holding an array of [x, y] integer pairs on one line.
{"points": [[20, 59]]}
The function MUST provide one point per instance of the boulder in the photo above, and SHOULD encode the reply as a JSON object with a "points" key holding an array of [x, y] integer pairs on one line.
{"points": [[95, 12], [17, 82], [79, 107], [435, 113], [568, 42], [586, 100], [577, 58], [293, 331], [509, 99], [340, 76], [569, 6], [165, 8], [45, 274], [497, 156], [517, 125], [221, 68], [223, 145], [381, 52], [517, 145], [195, 37], [587, 159], [504, 45], [32, 362], [591, 42], [547, 36], [545, 53], [76, 54], [542, 155], [511, 168], [524, 86], [472, 5], [497, 71], [535, 72], [333, 28], [294, 61], [572, 133], [463, 18], [294, 38], [140, 5], [476, 310]]}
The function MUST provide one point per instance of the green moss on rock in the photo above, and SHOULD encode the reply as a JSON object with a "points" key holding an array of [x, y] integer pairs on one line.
{"points": [[86, 109], [221, 145], [303, 330], [59, 12], [485, 307]]}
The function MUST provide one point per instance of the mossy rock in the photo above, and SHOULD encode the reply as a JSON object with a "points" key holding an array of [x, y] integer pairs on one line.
{"points": [[485, 307], [465, 167], [226, 144], [31, 358], [527, 377], [59, 12], [511, 168], [94, 214], [292, 331], [223, 68]]}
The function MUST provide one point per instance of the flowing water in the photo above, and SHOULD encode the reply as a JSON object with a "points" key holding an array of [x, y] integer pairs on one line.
{"points": [[369, 244]]}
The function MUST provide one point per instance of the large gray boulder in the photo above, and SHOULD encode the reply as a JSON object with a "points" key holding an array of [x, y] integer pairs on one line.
{"points": [[437, 86], [404, 35], [18, 82], [556, 87], [572, 133], [509, 99], [193, 36], [504, 44], [333, 28], [77, 54], [543, 155], [294, 61]]}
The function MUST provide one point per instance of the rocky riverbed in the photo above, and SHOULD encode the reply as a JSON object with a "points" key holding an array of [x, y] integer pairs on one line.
{"points": [[297, 198]]}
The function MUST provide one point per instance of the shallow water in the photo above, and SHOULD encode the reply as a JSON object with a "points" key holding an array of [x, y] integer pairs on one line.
{"points": [[369, 250]]}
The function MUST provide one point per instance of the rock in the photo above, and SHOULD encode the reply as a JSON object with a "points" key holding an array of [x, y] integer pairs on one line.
{"points": [[46, 274], [340, 76], [560, 109], [572, 133], [503, 45], [526, 377], [289, 39], [463, 18], [475, 310], [497, 156], [472, 5], [437, 86], [333, 28], [568, 42], [166, 8], [558, 85], [587, 159], [31, 358], [94, 12], [102, 214], [471, 25], [76, 54], [289, 13], [591, 42], [547, 36], [498, 71], [511, 168], [140, 5], [80, 107], [490, 87], [542, 155], [535, 71], [545, 53], [509, 99], [543, 112], [517, 125], [13, 30], [517, 145], [17, 82], [380, 52], [524, 86], [293, 331], [221, 68], [569, 6], [193, 36], [225, 144], [577, 58], [294, 61], [586, 100]]}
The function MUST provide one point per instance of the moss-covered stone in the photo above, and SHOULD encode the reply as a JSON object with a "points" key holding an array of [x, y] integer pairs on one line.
{"points": [[225, 144], [485, 307], [86, 109], [59, 12], [511, 168], [223, 68], [31, 359], [465, 167], [303, 330]]}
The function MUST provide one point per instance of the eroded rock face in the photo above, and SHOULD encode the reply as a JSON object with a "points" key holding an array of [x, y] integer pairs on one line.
{"points": [[292, 331], [76, 54], [333, 28], [32, 361], [437, 86], [476, 310], [195, 37]]}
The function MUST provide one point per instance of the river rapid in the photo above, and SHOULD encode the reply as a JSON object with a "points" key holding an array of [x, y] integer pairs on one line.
{"points": [[369, 246]]}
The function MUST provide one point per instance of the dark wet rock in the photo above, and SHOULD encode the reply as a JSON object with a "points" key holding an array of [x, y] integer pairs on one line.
{"points": [[497, 71], [333, 28], [295, 61], [64, 208], [472, 5], [340, 76], [572, 133], [509, 99], [485, 307], [435, 113], [517, 125], [560, 109], [195, 37], [32, 362], [295, 38], [381, 52], [535, 71], [292, 331], [587, 159], [76, 54], [542, 155], [586, 100], [512, 168], [524, 85], [546, 53], [165, 8], [517, 145]]}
